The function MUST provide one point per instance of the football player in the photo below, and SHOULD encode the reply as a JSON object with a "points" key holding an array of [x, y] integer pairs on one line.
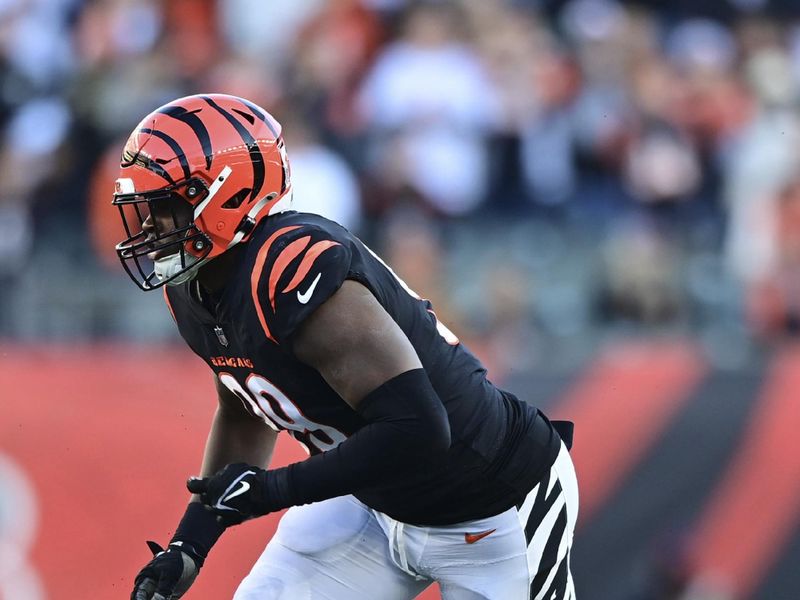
{"points": [[420, 469]]}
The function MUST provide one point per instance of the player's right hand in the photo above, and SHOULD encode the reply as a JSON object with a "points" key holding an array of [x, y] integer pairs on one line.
{"points": [[168, 575]]}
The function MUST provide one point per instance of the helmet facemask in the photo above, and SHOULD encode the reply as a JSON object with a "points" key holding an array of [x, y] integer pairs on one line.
{"points": [[164, 246]]}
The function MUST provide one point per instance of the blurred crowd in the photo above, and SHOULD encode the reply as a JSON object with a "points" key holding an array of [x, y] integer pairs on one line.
{"points": [[540, 169]]}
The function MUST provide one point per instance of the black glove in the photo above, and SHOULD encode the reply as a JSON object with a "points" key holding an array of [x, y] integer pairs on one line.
{"points": [[169, 574], [240, 492]]}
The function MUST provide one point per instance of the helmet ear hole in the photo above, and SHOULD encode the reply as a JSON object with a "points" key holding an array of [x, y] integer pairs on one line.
{"points": [[236, 200]]}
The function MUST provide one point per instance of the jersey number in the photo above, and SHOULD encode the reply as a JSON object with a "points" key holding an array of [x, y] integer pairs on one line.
{"points": [[279, 412]]}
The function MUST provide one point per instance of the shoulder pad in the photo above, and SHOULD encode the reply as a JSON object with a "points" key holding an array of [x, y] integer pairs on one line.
{"points": [[296, 269]]}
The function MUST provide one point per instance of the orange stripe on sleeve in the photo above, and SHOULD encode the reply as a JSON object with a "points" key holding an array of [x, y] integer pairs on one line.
{"points": [[255, 276], [286, 256], [308, 262]]}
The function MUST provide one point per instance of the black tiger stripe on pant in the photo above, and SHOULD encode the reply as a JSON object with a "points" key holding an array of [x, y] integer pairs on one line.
{"points": [[548, 514]]}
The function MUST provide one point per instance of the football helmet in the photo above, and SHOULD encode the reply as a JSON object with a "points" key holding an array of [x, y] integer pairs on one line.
{"points": [[196, 176]]}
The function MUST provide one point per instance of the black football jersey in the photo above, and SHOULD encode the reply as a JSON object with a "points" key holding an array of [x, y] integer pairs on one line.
{"points": [[293, 263]]}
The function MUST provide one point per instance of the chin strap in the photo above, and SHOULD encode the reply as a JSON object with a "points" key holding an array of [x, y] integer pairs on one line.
{"points": [[172, 265]]}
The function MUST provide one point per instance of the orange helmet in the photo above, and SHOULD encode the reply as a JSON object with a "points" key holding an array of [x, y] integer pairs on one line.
{"points": [[196, 176]]}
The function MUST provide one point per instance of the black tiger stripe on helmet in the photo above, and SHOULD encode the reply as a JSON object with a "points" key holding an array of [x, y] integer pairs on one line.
{"points": [[197, 126], [174, 145], [256, 157]]}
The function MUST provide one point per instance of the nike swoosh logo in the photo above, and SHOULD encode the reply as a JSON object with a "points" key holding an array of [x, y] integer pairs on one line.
{"points": [[243, 487], [305, 297], [471, 538]]}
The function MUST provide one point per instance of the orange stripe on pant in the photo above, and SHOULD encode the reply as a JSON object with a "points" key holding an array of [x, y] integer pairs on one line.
{"points": [[620, 406], [756, 508]]}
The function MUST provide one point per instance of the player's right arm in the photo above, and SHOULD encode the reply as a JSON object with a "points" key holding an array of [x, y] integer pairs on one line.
{"points": [[235, 436]]}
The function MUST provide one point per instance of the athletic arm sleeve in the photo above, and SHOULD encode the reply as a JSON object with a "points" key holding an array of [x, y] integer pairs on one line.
{"points": [[407, 429]]}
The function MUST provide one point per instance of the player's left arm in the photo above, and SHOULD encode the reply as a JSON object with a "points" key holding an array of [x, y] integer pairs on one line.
{"points": [[368, 360]]}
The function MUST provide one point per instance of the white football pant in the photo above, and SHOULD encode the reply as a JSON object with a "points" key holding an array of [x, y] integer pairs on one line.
{"points": [[340, 549]]}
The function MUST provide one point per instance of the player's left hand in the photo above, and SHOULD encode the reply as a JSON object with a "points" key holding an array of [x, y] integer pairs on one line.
{"points": [[236, 493], [171, 572]]}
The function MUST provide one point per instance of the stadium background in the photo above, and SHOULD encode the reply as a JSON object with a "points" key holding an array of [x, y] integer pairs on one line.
{"points": [[601, 198]]}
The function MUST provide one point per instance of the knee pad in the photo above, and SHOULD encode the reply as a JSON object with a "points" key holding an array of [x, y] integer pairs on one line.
{"points": [[315, 529]]}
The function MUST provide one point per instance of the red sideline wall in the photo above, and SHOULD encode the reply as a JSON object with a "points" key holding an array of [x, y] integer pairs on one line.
{"points": [[106, 438], [103, 438]]}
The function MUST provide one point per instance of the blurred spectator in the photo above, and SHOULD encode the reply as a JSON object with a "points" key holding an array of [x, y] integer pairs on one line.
{"points": [[322, 182], [264, 30], [429, 105], [35, 44], [761, 164], [244, 77], [548, 138], [116, 43], [414, 250], [774, 298], [560, 122], [661, 164], [28, 156], [331, 54], [511, 336], [510, 41], [639, 283]]}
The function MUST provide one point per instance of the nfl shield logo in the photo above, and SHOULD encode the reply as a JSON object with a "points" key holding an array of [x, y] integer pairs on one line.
{"points": [[221, 336]]}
